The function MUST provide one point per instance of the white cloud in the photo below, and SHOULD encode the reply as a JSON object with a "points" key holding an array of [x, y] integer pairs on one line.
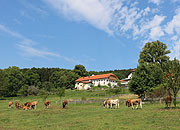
{"points": [[157, 2], [12, 33], [123, 17], [174, 25], [156, 33], [176, 50], [26, 46], [95, 12], [153, 26], [28, 50]]}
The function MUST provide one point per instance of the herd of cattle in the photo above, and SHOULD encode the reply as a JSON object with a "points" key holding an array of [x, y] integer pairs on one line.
{"points": [[108, 103], [33, 105]]}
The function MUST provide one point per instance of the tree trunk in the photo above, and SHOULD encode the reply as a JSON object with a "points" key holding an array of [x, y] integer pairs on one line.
{"points": [[160, 100], [175, 101]]}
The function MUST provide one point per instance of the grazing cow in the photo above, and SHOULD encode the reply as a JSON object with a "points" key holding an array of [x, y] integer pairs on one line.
{"points": [[106, 103], [31, 104], [168, 100], [47, 104], [23, 107], [10, 104], [128, 102], [25, 104], [65, 102], [17, 105], [114, 102], [132, 102]]}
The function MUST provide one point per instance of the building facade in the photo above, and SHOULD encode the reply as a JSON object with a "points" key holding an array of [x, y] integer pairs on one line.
{"points": [[124, 82], [95, 80]]}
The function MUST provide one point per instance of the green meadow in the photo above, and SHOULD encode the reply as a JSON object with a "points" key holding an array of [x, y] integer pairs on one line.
{"points": [[87, 116]]}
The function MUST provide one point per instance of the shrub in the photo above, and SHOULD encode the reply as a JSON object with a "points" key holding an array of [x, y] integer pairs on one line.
{"points": [[32, 90]]}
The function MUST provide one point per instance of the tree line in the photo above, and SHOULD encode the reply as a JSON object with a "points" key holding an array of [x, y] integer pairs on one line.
{"points": [[33, 81]]}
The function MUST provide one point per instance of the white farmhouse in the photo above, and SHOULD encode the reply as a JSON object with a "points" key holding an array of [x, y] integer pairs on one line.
{"points": [[125, 81], [85, 83]]}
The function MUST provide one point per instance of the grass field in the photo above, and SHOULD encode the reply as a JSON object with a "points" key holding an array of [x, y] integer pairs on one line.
{"points": [[88, 116]]}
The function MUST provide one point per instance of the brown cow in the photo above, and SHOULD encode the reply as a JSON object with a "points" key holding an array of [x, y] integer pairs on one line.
{"points": [[132, 102], [106, 103], [25, 104], [65, 102], [10, 104], [168, 100], [17, 105], [128, 102], [47, 104], [23, 107], [31, 104]]}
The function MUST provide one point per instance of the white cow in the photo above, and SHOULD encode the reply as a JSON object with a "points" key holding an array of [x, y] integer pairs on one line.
{"points": [[114, 102]]}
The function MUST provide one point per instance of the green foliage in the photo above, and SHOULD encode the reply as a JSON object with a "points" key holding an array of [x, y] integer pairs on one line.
{"points": [[65, 79], [31, 78], [23, 91], [32, 90], [157, 92], [47, 85], [145, 78], [172, 77], [154, 52], [3, 84], [80, 70], [15, 80], [61, 92]]}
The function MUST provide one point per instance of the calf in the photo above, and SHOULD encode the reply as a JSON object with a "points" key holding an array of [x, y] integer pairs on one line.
{"points": [[10, 104], [23, 107], [31, 104], [65, 102], [17, 105], [168, 100], [47, 104]]}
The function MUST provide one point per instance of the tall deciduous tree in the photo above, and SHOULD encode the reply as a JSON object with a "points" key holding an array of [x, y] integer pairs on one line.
{"points": [[80, 70], [154, 52], [172, 77]]}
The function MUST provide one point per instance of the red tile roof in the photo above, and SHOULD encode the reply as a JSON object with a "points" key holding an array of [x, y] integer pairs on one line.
{"points": [[102, 76]]}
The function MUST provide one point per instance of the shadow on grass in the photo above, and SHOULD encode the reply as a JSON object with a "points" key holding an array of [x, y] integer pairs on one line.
{"points": [[3, 99], [170, 108]]}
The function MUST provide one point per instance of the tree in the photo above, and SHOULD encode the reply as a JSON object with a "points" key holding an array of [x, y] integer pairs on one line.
{"points": [[61, 92], [31, 78], [65, 79], [3, 84], [15, 80], [145, 78], [154, 52], [23, 91], [80, 70], [172, 77]]}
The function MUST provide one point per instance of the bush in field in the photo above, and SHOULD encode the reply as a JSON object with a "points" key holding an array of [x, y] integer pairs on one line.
{"points": [[32, 90], [61, 92]]}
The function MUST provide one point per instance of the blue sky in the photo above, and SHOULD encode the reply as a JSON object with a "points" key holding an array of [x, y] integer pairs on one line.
{"points": [[99, 34]]}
